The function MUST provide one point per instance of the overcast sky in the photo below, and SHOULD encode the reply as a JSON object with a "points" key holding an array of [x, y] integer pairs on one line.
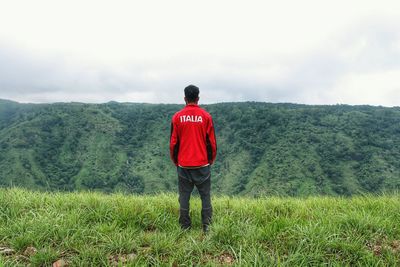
{"points": [[312, 52]]}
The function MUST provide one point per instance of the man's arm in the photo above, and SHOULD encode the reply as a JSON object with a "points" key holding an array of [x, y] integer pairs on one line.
{"points": [[211, 142], [174, 143]]}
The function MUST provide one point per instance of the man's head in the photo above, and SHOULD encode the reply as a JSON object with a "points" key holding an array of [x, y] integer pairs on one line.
{"points": [[191, 94]]}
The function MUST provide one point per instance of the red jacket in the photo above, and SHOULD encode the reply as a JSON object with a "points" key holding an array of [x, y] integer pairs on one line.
{"points": [[192, 141]]}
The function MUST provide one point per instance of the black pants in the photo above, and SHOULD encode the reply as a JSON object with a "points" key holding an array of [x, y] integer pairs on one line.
{"points": [[188, 178]]}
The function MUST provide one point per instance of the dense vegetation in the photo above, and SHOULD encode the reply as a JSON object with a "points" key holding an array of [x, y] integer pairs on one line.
{"points": [[94, 229], [263, 148]]}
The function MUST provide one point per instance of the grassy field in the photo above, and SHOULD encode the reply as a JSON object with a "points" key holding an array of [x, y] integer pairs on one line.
{"points": [[93, 229]]}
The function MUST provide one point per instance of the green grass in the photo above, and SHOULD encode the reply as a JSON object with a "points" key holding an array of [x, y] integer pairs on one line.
{"points": [[87, 229]]}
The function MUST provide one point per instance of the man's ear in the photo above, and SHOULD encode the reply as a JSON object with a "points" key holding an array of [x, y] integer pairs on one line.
{"points": [[184, 98]]}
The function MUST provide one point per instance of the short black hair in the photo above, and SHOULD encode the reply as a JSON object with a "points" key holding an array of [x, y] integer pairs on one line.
{"points": [[191, 93]]}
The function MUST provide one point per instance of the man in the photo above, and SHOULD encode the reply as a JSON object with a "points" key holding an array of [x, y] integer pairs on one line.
{"points": [[193, 149]]}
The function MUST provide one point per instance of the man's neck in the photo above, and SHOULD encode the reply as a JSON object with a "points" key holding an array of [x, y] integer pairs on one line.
{"points": [[191, 104]]}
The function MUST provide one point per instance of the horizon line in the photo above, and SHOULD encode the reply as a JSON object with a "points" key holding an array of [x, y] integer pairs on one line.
{"points": [[200, 104]]}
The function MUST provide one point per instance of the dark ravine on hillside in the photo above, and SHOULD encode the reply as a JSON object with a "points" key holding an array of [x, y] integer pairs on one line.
{"points": [[263, 148]]}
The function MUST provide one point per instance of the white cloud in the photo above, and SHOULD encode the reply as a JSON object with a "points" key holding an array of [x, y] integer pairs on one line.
{"points": [[311, 51], [373, 88]]}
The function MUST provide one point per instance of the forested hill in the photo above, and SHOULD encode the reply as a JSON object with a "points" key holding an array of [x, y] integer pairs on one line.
{"points": [[263, 148]]}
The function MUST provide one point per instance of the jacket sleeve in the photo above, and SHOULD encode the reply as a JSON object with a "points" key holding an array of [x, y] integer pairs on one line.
{"points": [[174, 143], [211, 142]]}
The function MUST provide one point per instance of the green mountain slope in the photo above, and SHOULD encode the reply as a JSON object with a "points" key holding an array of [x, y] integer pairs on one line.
{"points": [[263, 148]]}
